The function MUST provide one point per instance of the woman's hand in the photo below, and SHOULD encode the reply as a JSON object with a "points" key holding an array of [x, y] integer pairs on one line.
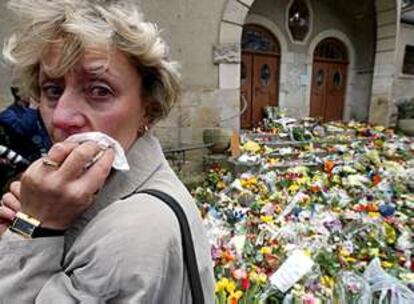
{"points": [[10, 205], [58, 190]]}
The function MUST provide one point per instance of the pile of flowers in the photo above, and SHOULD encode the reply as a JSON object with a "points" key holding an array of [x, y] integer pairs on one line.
{"points": [[329, 219]]}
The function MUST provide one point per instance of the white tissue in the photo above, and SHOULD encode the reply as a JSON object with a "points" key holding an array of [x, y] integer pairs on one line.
{"points": [[120, 160]]}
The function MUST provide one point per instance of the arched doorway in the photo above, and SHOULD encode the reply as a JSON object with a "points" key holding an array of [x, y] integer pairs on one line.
{"points": [[260, 68], [329, 79]]}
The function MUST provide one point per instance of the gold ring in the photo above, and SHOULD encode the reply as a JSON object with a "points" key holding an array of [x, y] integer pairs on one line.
{"points": [[50, 163], [94, 159]]}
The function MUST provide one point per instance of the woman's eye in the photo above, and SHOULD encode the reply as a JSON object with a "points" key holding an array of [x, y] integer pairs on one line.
{"points": [[99, 91], [52, 91]]}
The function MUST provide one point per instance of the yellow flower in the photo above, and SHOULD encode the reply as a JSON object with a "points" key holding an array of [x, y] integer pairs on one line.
{"points": [[221, 285], [231, 287], [336, 179], [253, 181], [257, 278], [225, 285], [266, 219], [374, 215], [251, 146], [254, 277], [390, 233], [307, 252], [379, 128], [350, 260], [248, 183], [309, 147], [298, 291], [262, 278], [327, 281], [273, 161], [221, 185], [374, 252], [234, 297], [294, 188], [344, 252], [265, 250], [386, 264]]}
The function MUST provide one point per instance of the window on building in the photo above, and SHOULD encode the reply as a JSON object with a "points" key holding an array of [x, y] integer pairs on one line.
{"points": [[257, 39], [299, 20], [331, 48], [408, 65]]}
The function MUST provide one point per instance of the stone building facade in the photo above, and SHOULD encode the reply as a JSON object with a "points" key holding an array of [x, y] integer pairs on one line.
{"points": [[206, 38]]}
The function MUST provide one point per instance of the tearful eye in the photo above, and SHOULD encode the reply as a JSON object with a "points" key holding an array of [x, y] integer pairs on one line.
{"points": [[52, 91]]}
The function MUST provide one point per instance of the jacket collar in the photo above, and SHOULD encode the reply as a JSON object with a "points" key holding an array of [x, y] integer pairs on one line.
{"points": [[144, 158]]}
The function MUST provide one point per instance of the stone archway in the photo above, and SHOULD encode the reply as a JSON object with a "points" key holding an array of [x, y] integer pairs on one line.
{"points": [[388, 15]]}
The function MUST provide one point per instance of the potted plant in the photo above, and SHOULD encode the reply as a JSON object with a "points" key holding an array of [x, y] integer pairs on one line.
{"points": [[218, 137], [406, 116]]}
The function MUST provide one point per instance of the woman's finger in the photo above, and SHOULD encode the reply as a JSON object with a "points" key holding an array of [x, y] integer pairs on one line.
{"points": [[6, 217], [95, 176], [77, 161], [15, 189], [11, 202], [6, 214], [58, 152]]}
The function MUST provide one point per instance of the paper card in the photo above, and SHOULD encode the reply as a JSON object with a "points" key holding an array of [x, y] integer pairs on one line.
{"points": [[292, 270], [238, 241]]}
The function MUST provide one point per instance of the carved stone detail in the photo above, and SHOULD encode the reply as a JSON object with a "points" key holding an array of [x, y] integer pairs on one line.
{"points": [[227, 53]]}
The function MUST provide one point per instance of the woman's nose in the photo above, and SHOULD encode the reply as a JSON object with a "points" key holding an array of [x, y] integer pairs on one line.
{"points": [[68, 115]]}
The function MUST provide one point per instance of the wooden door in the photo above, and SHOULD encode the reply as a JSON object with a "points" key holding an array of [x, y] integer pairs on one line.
{"points": [[265, 85], [329, 80], [335, 100], [328, 90], [319, 89], [259, 85]]}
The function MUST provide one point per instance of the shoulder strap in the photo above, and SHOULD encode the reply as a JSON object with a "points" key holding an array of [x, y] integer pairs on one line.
{"points": [[190, 259]]}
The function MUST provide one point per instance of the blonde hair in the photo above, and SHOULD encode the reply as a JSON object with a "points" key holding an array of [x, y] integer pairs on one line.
{"points": [[79, 24]]}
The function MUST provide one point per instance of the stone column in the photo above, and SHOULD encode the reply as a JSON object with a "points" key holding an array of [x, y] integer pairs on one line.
{"points": [[382, 108], [227, 55]]}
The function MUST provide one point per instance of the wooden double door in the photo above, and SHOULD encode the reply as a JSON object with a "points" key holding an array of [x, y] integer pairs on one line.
{"points": [[329, 80], [259, 86]]}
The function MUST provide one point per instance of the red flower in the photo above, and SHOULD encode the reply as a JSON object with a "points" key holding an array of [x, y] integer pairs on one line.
{"points": [[412, 265], [328, 166], [245, 283], [315, 189], [376, 179]]}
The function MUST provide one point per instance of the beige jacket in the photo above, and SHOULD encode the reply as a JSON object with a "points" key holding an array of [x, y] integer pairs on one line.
{"points": [[120, 250]]}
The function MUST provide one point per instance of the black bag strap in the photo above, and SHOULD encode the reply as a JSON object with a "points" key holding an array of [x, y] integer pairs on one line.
{"points": [[189, 256]]}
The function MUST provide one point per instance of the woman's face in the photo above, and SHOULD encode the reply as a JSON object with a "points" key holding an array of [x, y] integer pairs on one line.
{"points": [[99, 93]]}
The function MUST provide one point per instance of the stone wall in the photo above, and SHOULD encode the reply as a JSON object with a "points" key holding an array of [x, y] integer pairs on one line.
{"points": [[192, 29], [6, 22]]}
